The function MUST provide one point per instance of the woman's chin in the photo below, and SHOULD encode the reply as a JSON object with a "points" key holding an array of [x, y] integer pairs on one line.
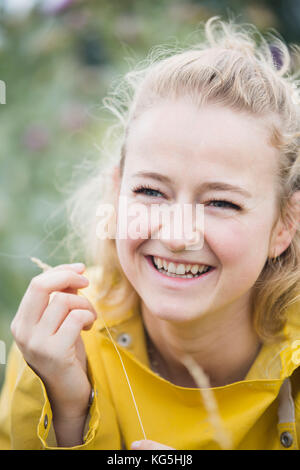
{"points": [[173, 313]]}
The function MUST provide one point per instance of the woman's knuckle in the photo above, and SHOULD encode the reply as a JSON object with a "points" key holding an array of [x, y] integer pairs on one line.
{"points": [[38, 283], [34, 346], [61, 298], [17, 332], [20, 338], [13, 327], [76, 315], [88, 306], [81, 316]]}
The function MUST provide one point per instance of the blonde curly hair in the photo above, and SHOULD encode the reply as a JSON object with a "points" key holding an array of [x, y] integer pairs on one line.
{"points": [[232, 65]]}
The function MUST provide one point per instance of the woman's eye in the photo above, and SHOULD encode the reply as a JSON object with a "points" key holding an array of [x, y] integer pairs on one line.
{"points": [[148, 191], [224, 204], [151, 192]]}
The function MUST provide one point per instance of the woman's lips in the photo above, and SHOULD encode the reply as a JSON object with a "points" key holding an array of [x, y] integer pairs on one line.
{"points": [[176, 281]]}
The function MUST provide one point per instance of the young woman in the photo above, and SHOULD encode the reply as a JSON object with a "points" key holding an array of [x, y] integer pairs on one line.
{"points": [[187, 346]]}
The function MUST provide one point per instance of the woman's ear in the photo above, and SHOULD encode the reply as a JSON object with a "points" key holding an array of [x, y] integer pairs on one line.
{"points": [[284, 231]]}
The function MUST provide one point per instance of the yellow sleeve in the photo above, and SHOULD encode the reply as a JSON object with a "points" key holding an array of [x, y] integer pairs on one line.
{"points": [[26, 416], [7, 390], [25, 411], [295, 379]]}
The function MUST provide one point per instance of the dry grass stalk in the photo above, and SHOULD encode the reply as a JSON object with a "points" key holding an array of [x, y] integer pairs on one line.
{"points": [[40, 264], [222, 436]]}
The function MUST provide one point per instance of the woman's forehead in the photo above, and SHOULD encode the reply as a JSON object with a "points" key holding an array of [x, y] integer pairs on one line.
{"points": [[183, 120], [177, 135]]}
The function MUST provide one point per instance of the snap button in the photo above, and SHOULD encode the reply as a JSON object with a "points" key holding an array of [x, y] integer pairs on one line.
{"points": [[124, 339], [91, 398], [286, 439], [45, 421]]}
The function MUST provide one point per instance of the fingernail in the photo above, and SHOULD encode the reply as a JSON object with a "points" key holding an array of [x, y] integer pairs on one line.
{"points": [[77, 265], [84, 279], [135, 444]]}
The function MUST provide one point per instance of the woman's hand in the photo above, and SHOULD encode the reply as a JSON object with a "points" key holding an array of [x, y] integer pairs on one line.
{"points": [[48, 335], [146, 444]]}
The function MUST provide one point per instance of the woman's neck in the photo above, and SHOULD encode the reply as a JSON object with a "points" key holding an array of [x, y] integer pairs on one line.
{"points": [[224, 344]]}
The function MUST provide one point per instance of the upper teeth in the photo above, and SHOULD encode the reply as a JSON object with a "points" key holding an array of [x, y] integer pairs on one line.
{"points": [[179, 268]]}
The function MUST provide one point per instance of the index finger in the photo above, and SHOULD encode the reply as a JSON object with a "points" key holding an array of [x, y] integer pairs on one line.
{"points": [[36, 297], [78, 267], [45, 267]]}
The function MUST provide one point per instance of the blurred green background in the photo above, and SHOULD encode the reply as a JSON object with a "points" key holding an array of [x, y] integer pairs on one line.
{"points": [[58, 59]]}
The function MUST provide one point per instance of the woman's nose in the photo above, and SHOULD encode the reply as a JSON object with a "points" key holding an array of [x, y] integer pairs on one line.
{"points": [[175, 245], [186, 241], [182, 244], [177, 229]]}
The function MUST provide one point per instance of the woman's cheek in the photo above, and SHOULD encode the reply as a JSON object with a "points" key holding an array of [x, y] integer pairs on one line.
{"points": [[126, 249], [129, 254], [229, 241], [134, 220]]}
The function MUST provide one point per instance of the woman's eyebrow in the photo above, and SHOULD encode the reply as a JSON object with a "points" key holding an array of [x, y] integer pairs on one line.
{"points": [[223, 186], [210, 185], [154, 176]]}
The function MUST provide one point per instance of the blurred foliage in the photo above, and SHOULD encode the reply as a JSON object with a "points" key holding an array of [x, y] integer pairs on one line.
{"points": [[58, 60]]}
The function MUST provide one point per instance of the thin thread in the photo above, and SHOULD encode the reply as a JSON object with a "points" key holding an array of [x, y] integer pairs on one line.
{"points": [[45, 267], [128, 382]]}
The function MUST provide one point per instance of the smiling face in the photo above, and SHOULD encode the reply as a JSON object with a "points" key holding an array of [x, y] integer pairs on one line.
{"points": [[192, 154]]}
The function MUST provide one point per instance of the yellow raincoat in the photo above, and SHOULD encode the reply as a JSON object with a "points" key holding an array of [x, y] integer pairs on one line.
{"points": [[260, 412]]}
